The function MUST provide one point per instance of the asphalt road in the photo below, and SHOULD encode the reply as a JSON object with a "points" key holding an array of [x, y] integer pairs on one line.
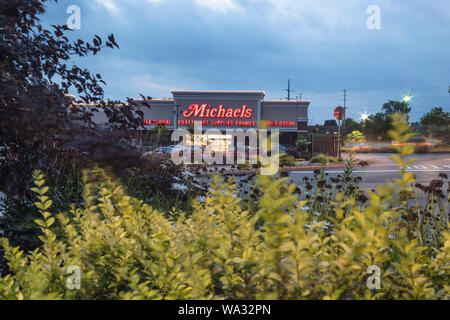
{"points": [[426, 168]]}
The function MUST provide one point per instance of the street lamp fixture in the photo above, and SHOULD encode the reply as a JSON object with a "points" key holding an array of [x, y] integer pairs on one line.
{"points": [[407, 98], [365, 116]]}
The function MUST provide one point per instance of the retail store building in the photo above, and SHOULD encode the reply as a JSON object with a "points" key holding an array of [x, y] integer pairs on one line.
{"points": [[229, 110]]}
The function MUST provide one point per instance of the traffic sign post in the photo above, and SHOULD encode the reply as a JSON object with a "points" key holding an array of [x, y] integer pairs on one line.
{"points": [[339, 115]]}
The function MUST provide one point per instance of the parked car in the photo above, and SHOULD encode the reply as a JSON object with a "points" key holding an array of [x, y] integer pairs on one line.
{"points": [[160, 152], [284, 148], [166, 152]]}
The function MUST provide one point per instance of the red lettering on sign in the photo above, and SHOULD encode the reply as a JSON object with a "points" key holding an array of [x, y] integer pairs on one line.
{"points": [[195, 110], [280, 123], [150, 122], [205, 111]]}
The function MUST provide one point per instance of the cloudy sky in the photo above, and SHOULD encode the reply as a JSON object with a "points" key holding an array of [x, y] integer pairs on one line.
{"points": [[323, 46]]}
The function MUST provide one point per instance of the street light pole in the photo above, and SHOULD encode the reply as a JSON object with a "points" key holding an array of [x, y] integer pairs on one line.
{"points": [[339, 139]]}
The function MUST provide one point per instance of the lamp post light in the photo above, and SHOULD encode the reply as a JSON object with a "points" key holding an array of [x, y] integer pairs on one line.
{"points": [[364, 116], [407, 98]]}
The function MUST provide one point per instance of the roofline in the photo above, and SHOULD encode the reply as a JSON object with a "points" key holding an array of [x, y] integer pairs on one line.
{"points": [[263, 93], [287, 101]]}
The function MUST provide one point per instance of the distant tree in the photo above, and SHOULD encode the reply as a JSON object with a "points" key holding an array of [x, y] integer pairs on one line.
{"points": [[330, 123], [356, 136], [41, 126], [352, 125], [437, 123], [377, 125], [302, 143], [436, 117], [393, 107]]}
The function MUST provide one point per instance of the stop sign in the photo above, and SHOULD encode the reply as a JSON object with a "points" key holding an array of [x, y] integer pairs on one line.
{"points": [[339, 113]]}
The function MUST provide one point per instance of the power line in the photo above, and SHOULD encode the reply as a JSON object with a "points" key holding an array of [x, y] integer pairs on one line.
{"points": [[289, 90], [345, 107]]}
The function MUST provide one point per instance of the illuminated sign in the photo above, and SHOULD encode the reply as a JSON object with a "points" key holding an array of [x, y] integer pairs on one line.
{"points": [[165, 122], [280, 123], [206, 111], [218, 123], [339, 113]]}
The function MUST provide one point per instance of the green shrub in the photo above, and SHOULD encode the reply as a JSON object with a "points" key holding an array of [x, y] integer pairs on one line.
{"points": [[356, 136], [244, 166], [128, 250], [302, 143], [323, 159], [287, 160]]}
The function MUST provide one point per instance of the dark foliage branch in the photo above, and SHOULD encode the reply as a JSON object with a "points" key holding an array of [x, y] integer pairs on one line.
{"points": [[31, 103], [41, 126]]}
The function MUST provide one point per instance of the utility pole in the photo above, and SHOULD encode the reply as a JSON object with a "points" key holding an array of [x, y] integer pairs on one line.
{"points": [[345, 109], [289, 90]]}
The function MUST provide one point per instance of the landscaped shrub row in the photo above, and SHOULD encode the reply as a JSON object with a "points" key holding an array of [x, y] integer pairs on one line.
{"points": [[281, 249]]}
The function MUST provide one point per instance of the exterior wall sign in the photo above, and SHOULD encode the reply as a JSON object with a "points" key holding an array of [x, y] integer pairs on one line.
{"points": [[164, 122], [218, 123], [207, 111], [226, 110], [280, 123]]}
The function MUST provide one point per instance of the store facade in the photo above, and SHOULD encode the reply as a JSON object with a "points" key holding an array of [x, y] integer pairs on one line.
{"points": [[224, 110]]}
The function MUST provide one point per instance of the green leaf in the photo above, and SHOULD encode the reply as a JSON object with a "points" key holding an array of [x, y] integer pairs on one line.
{"points": [[40, 222], [50, 222], [39, 205], [47, 204]]}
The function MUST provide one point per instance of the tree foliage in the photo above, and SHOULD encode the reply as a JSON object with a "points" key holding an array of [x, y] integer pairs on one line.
{"points": [[351, 125], [393, 107], [41, 126], [377, 125], [302, 143], [437, 122], [356, 136]]}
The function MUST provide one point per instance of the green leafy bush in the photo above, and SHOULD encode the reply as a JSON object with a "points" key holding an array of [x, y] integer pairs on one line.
{"points": [[127, 249], [323, 159], [356, 136], [302, 143], [287, 160]]}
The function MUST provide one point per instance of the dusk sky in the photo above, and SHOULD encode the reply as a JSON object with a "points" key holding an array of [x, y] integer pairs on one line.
{"points": [[323, 46]]}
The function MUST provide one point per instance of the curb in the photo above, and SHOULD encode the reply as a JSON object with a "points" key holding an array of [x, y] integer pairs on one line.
{"points": [[282, 169]]}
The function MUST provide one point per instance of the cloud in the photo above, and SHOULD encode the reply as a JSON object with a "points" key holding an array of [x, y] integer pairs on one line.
{"points": [[110, 5], [147, 82], [325, 13], [323, 46], [220, 5]]}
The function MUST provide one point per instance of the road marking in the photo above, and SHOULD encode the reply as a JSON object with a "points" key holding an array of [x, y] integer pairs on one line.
{"points": [[371, 171]]}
